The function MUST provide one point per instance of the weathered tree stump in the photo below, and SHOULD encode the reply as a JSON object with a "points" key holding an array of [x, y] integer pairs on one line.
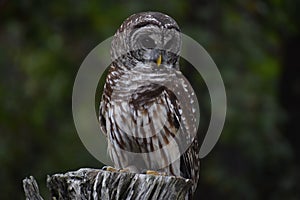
{"points": [[105, 185], [31, 189]]}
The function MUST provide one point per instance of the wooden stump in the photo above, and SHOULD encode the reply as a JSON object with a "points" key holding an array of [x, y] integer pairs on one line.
{"points": [[31, 189], [105, 185]]}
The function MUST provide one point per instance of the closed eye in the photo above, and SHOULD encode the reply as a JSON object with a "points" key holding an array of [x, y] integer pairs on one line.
{"points": [[147, 42], [172, 43]]}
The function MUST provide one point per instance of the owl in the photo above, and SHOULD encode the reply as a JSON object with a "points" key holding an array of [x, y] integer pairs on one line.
{"points": [[148, 108]]}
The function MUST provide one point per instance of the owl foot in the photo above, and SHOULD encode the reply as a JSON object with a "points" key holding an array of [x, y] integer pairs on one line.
{"points": [[126, 170], [109, 168], [155, 173]]}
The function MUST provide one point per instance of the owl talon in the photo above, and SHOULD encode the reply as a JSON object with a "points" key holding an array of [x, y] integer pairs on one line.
{"points": [[155, 173], [124, 170], [109, 168]]}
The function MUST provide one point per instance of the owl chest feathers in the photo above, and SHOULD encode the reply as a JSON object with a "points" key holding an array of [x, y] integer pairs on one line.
{"points": [[141, 108]]}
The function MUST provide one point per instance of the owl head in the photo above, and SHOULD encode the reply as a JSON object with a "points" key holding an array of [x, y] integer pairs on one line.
{"points": [[148, 40]]}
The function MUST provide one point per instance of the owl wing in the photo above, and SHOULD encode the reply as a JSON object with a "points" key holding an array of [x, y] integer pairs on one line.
{"points": [[189, 160], [112, 76], [102, 113]]}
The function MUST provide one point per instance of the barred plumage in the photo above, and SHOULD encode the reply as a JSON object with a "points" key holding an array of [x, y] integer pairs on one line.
{"points": [[146, 107]]}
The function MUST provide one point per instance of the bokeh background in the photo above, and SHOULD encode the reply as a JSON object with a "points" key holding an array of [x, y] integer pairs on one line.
{"points": [[254, 43]]}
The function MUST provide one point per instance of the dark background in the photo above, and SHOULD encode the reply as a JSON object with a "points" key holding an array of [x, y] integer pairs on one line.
{"points": [[254, 43]]}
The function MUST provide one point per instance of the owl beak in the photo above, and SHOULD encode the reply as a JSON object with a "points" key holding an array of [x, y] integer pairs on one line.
{"points": [[158, 61]]}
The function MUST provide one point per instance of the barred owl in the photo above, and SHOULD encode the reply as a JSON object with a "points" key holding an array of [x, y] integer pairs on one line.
{"points": [[147, 104]]}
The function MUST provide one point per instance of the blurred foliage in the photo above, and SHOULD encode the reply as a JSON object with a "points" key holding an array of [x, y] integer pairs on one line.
{"points": [[42, 44]]}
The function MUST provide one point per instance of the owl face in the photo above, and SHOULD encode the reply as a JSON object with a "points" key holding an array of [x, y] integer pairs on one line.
{"points": [[152, 41], [155, 46]]}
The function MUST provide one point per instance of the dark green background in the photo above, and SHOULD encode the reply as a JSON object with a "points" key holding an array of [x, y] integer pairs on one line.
{"points": [[254, 43]]}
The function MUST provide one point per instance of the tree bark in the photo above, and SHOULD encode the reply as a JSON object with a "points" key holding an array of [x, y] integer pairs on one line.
{"points": [[106, 185], [31, 189]]}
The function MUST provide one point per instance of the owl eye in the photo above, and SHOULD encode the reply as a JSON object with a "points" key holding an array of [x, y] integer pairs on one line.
{"points": [[147, 42], [171, 43]]}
